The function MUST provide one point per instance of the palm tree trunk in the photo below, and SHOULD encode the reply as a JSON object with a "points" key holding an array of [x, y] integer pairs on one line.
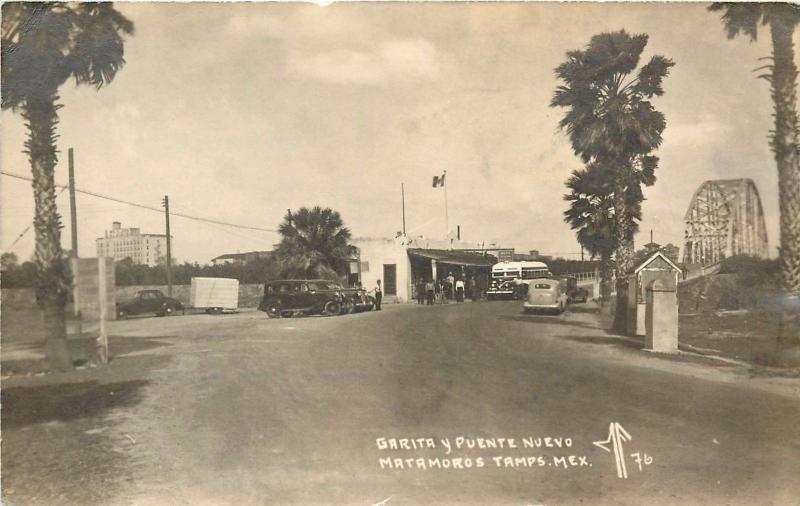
{"points": [[606, 270], [785, 146], [623, 256], [52, 278]]}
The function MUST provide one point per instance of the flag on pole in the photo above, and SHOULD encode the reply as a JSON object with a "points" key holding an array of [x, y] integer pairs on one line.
{"points": [[438, 180]]}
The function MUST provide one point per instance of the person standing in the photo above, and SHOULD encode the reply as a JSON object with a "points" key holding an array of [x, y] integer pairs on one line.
{"points": [[429, 292], [378, 295], [421, 291], [451, 283], [460, 290]]}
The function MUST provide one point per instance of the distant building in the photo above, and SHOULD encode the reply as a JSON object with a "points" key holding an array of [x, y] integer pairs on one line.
{"points": [[651, 247], [240, 258], [121, 243], [401, 262], [502, 254], [672, 252], [532, 256], [669, 250]]}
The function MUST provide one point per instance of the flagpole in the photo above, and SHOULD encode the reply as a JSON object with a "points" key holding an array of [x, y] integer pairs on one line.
{"points": [[403, 195], [446, 219]]}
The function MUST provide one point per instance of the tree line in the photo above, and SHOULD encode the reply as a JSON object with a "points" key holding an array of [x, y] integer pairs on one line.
{"points": [[314, 244]]}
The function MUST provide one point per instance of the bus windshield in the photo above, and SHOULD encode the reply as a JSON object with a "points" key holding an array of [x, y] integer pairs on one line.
{"points": [[535, 273], [506, 274]]}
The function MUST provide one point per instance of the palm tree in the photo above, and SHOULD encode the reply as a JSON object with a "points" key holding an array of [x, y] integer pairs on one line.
{"points": [[782, 19], [591, 213], [611, 122], [314, 244], [44, 45]]}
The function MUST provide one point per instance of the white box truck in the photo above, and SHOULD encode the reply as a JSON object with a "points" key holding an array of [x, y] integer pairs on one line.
{"points": [[215, 295]]}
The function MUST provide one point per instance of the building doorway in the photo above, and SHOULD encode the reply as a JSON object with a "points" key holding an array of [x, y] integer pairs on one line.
{"points": [[390, 279]]}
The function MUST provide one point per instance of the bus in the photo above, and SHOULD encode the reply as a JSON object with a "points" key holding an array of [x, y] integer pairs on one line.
{"points": [[510, 279]]}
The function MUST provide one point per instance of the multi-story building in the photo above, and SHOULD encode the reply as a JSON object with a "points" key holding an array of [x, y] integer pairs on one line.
{"points": [[121, 243]]}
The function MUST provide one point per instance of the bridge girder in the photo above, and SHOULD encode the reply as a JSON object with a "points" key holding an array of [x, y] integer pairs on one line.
{"points": [[724, 218]]}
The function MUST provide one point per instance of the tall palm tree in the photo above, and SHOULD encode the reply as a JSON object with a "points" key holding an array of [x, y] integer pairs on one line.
{"points": [[611, 122], [782, 19], [591, 213], [44, 45], [314, 244]]}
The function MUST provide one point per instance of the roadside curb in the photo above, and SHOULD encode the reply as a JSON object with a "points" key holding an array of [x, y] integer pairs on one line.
{"points": [[730, 371]]}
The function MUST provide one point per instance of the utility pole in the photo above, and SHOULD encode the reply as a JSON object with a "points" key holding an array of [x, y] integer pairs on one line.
{"points": [[73, 213], [403, 195], [169, 247]]}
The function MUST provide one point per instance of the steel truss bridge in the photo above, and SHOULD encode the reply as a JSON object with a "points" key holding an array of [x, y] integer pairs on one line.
{"points": [[724, 219]]}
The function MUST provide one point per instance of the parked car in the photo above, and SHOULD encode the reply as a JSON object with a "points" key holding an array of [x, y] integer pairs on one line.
{"points": [[148, 302], [546, 294], [304, 296], [358, 300], [575, 293]]}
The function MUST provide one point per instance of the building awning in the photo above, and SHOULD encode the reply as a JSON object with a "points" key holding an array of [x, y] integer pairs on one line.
{"points": [[453, 257]]}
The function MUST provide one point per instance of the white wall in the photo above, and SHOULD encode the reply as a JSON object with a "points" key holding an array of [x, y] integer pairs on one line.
{"points": [[379, 252]]}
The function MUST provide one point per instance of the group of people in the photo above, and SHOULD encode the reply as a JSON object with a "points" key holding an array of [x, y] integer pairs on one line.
{"points": [[431, 291]]}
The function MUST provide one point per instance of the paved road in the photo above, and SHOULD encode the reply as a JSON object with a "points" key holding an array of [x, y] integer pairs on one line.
{"points": [[245, 410]]}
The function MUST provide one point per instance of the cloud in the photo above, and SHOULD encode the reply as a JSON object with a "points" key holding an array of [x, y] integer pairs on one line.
{"points": [[695, 131], [298, 22], [397, 60], [337, 46]]}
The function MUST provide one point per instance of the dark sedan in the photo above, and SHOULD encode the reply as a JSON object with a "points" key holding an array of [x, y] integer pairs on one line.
{"points": [[148, 302], [304, 296]]}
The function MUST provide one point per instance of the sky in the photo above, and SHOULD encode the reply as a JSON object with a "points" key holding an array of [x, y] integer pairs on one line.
{"points": [[239, 112]]}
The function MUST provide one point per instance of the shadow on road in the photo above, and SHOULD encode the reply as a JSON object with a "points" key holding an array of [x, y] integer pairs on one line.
{"points": [[123, 345], [24, 406], [584, 309], [548, 320], [616, 341]]}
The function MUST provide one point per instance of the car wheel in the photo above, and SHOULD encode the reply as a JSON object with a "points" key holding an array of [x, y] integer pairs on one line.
{"points": [[274, 310], [332, 308], [122, 314], [169, 311]]}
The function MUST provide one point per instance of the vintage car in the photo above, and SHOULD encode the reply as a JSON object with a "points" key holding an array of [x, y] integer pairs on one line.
{"points": [[546, 294], [148, 302], [575, 293], [358, 300], [304, 296]]}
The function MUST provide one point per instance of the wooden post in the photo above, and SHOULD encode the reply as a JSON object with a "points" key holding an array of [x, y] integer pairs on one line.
{"points": [[73, 213], [102, 293], [403, 196], [169, 248]]}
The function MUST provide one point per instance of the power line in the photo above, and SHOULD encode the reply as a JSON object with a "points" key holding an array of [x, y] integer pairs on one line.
{"points": [[20, 236], [144, 206]]}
